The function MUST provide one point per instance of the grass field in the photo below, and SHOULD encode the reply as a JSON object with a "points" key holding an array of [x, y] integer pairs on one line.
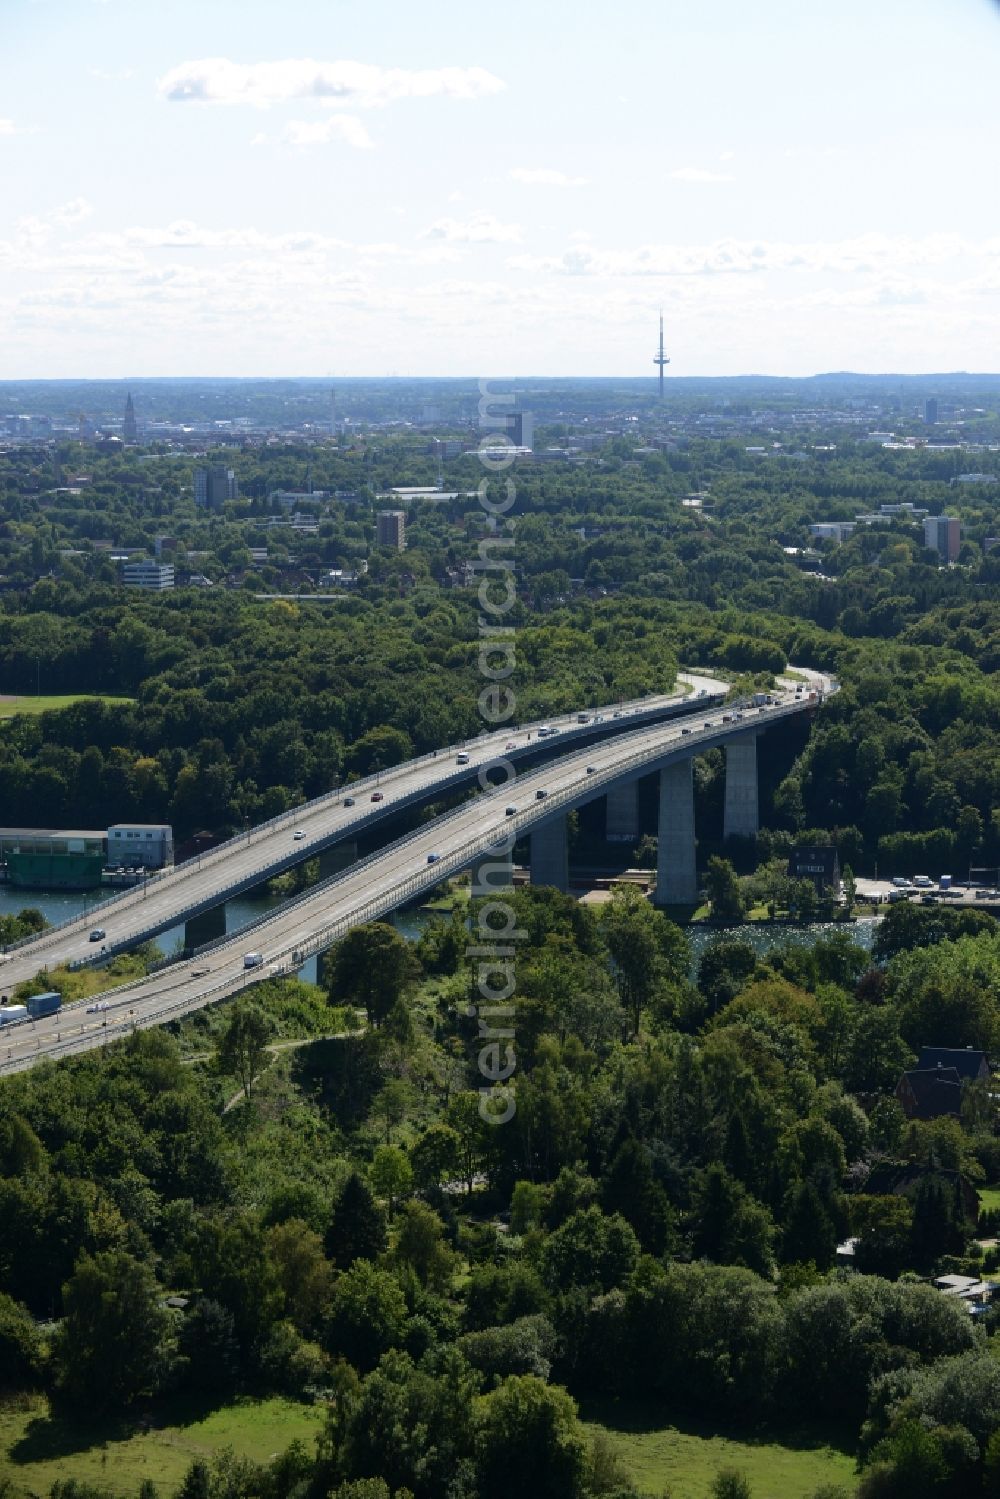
{"points": [[11, 705], [35, 1449], [683, 1461], [989, 1199]]}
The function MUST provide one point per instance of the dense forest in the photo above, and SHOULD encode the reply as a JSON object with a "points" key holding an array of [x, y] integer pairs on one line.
{"points": [[658, 1222], [296, 1194]]}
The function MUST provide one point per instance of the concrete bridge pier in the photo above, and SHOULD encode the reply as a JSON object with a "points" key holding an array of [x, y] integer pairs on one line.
{"points": [[493, 871], [550, 854], [622, 813], [336, 859], [740, 817], [205, 927], [676, 874]]}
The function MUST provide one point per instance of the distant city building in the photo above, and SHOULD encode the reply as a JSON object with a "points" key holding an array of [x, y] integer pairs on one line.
{"points": [[833, 530], [164, 546], [391, 529], [289, 498], [446, 447], [930, 411], [150, 844], [213, 486], [153, 576], [130, 431], [943, 534], [974, 479], [520, 429]]}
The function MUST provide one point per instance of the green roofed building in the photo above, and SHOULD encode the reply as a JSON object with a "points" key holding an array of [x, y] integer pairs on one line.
{"points": [[61, 859]]}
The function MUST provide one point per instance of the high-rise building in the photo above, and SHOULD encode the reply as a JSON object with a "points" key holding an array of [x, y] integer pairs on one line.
{"points": [[130, 431], [943, 534], [213, 486], [930, 411], [391, 529], [520, 429]]}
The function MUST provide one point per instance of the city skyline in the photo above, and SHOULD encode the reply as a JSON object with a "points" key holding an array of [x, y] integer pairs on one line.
{"points": [[374, 192]]}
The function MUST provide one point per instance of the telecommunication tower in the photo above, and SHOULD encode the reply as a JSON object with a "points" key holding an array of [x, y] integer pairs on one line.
{"points": [[660, 358]]}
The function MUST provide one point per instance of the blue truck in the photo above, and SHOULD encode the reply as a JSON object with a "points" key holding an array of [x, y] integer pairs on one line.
{"points": [[43, 1004]]}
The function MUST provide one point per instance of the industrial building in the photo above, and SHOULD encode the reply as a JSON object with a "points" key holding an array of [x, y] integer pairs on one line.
{"points": [[75, 859], [44, 859]]}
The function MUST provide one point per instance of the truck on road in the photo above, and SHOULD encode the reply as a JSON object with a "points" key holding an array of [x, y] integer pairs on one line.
{"points": [[44, 1004], [11, 1013]]}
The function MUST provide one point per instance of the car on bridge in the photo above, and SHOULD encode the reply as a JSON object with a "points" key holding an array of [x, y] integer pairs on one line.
{"points": [[377, 796], [433, 858], [540, 793], [348, 801], [510, 811], [98, 934], [298, 835]]}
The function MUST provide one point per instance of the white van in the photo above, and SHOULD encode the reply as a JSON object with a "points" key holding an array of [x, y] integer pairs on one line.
{"points": [[253, 959], [462, 758]]}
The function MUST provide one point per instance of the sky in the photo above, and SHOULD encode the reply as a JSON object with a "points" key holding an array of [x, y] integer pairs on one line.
{"points": [[377, 187]]}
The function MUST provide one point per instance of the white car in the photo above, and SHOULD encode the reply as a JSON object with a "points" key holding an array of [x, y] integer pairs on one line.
{"points": [[298, 835]]}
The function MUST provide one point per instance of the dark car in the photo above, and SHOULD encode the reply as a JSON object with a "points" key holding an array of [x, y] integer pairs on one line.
{"points": [[348, 801], [377, 796], [540, 793], [98, 934]]}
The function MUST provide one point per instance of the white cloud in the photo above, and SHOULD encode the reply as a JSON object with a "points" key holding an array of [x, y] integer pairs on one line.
{"points": [[545, 177], [218, 80], [866, 252], [71, 213], [346, 128], [698, 174], [481, 229], [7, 127]]}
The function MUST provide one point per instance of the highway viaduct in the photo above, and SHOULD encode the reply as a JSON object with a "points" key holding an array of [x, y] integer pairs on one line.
{"points": [[479, 834]]}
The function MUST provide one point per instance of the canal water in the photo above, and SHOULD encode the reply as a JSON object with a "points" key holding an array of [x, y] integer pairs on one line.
{"points": [[60, 905]]}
